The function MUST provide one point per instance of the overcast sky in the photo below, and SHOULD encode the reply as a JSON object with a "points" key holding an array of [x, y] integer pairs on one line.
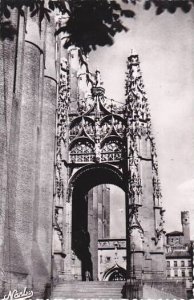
{"points": [[165, 45]]}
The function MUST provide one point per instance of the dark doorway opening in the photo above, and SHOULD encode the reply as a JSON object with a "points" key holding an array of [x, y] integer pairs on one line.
{"points": [[86, 179]]}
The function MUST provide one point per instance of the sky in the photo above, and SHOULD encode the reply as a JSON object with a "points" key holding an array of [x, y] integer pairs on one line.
{"points": [[165, 45]]}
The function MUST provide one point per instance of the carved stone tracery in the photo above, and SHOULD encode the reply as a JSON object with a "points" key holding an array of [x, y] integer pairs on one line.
{"points": [[111, 151], [62, 105], [159, 231], [82, 152], [135, 230]]}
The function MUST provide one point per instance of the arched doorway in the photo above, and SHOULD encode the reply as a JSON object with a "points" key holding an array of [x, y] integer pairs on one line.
{"points": [[116, 273], [84, 233]]}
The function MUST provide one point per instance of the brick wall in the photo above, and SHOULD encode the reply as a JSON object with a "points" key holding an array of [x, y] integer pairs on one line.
{"points": [[28, 88]]}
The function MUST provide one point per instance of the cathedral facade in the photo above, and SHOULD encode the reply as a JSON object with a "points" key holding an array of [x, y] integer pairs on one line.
{"points": [[61, 139]]}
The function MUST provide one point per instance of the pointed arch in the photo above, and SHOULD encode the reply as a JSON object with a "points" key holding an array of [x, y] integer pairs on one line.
{"points": [[116, 273], [77, 120], [95, 174]]}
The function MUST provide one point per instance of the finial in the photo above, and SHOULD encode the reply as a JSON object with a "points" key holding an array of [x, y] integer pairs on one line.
{"points": [[133, 51], [98, 81], [133, 57]]}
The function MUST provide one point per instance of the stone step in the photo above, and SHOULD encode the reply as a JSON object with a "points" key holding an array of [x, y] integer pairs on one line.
{"points": [[87, 297], [89, 286], [82, 290], [91, 294], [88, 290], [98, 283], [111, 292], [85, 289]]}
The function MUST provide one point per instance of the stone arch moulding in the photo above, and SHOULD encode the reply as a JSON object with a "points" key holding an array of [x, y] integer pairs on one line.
{"points": [[115, 271], [96, 174]]}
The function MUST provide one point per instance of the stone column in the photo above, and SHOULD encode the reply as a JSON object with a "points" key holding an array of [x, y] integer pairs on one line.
{"points": [[134, 229], [93, 198], [151, 211], [106, 204], [22, 157], [61, 249], [68, 235], [134, 244], [10, 91]]}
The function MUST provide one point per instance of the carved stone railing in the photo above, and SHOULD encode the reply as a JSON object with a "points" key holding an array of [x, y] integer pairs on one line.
{"points": [[111, 243]]}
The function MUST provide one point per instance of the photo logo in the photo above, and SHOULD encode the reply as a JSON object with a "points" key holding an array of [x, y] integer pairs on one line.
{"points": [[15, 295]]}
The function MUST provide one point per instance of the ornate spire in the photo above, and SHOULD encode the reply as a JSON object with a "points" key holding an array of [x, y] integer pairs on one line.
{"points": [[140, 128], [136, 100], [136, 112]]}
